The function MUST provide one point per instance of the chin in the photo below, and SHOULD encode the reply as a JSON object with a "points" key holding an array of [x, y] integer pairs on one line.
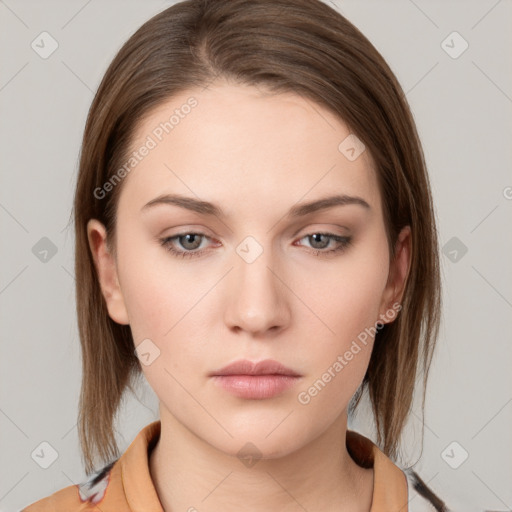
{"points": [[252, 442]]}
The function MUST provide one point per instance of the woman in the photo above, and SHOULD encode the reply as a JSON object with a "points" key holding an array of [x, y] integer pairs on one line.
{"points": [[255, 236]]}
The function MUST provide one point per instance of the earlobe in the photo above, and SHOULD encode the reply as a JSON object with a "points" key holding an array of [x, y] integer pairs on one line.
{"points": [[107, 272], [398, 272]]}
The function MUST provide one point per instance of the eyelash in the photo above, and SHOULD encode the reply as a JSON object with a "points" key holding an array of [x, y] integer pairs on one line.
{"points": [[344, 242]]}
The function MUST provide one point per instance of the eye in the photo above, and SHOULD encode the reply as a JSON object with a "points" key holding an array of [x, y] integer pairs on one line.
{"points": [[192, 241], [322, 240]]}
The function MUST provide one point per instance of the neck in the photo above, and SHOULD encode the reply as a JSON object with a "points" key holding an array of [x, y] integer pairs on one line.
{"points": [[189, 474]]}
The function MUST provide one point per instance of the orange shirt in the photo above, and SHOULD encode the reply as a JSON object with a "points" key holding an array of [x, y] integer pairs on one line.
{"points": [[126, 486]]}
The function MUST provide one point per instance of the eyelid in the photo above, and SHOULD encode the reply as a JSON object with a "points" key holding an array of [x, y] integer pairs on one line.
{"points": [[321, 227], [187, 229]]}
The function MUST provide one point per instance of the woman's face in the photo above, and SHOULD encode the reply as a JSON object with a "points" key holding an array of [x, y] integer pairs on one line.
{"points": [[255, 278]]}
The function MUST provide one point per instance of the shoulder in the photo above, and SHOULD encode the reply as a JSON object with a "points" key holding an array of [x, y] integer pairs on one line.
{"points": [[79, 497], [422, 498]]}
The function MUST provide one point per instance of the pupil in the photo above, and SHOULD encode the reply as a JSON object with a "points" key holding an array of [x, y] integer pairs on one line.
{"points": [[316, 237], [190, 239]]}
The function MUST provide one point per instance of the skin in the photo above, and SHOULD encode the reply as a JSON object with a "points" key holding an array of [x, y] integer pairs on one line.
{"points": [[255, 161]]}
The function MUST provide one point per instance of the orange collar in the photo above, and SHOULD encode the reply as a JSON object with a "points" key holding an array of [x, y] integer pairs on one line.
{"points": [[389, 488]]}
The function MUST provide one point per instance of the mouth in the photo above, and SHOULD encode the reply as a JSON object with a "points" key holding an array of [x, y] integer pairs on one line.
{"points": [[256, 381], [246, 367]]}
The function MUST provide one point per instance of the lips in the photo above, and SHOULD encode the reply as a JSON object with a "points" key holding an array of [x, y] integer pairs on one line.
{"points": [[255, 381], [246, 367]]}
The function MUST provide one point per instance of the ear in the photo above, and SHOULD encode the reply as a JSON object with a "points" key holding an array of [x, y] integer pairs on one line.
{"points": [[398, 273], [107, 272]]}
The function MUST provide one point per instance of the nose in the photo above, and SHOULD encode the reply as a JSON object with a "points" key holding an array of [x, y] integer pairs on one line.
{"points": [[257, 296]]}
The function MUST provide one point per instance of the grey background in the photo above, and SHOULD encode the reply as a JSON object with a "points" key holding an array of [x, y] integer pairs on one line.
{"points": [[462, 107]]}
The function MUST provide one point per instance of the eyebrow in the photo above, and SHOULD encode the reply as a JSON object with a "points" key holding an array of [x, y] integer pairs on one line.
{"points": [[299, 210]]}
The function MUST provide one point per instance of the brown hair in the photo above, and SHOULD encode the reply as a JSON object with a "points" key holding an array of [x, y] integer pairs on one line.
{"points": [[300, 46]]}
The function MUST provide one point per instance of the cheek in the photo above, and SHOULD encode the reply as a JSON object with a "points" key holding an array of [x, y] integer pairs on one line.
{"points": [[156, 294], [347, 297], [348, 294], [164, 307], [338, 360]]}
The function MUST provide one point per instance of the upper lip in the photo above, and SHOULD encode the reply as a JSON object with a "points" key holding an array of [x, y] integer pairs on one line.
{"points": [[246, 367]]}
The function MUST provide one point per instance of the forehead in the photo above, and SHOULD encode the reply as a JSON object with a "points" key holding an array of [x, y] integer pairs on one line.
{"points": [[237, 141]]}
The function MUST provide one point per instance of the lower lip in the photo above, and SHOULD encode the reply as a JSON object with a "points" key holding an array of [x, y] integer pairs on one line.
{"points": [[255, 387]]}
